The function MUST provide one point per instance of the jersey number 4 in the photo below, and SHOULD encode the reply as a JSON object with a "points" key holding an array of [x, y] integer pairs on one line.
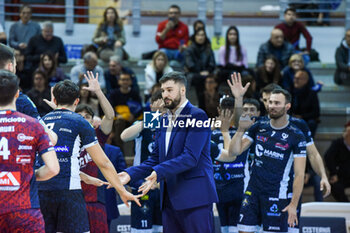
{"points": [[4, 148]]}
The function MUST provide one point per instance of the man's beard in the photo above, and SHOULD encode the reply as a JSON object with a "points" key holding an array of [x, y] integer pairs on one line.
{"points": [[173, 103], [277, 114]]}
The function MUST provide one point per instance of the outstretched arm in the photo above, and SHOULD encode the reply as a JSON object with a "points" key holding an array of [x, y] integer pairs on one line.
{"points": [[94, 86], [239, 144]]}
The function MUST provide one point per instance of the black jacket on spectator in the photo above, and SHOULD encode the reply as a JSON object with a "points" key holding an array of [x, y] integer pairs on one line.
{"points": [[282, 53], [131, 99], [305, 103], [38, 45], [199, 58], [112, 80], [342, 73], [337, 159], [38, 99]]}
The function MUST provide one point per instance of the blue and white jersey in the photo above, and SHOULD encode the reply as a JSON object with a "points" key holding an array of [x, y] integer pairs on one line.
{"points": [[231, 178], [25, 105], [74, 134], [275, 150]]}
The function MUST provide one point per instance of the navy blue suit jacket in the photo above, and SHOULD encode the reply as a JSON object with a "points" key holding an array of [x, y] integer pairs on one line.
{"points": [[186, 168]]}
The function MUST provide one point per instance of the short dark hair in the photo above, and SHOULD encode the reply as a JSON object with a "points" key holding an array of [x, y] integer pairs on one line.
{"points": [[176, 76], [25, 6], [156, 96], [6, 55], [85, 108], [175, 6], [269, 88], [66, 92], [9, 84], [227, 103], [252, 101], [284, 92], [290, 9]]}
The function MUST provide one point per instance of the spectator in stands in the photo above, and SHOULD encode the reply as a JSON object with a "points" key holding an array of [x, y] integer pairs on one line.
{"points": [[23, 30], [86, 97], [251, 92], [270, 72], [199, 60], [292, 30], [3, 37], [90, 64], [342, 59], [295, 64], [172, 35], [209, 99], [198, 24], [337, 160], [49, 66], [155, 70], [44, 42], [276, 46], [112, 74], [110, 35], [305, 103], [128, 107], [22, 72], [232, 56], [39, 92]]}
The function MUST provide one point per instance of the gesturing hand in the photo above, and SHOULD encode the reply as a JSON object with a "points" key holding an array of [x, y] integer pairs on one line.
{"points": [[245, 122], [236, 87], [94, 85], [324, 185], [148, 184], [292, 215], [226, 117], [126, 196], [50, 102]]}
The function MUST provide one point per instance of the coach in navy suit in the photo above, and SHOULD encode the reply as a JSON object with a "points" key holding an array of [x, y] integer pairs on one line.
{"points": [[180, 162]]}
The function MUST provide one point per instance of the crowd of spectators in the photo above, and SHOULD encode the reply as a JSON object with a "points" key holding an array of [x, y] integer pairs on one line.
{"points": [[280, 60]]}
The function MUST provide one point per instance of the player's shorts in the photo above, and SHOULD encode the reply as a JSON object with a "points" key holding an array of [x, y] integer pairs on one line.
{"points": [[64, 211], [229, 212], [148, 217], [97, 217], [26, 220], [258, 209]]}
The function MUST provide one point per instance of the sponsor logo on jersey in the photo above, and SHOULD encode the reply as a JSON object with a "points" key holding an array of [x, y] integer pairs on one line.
{"points": [[61, 148], [10, 181], [12, 119], [52, 118], [233, 165], [22, 137], [233, 176], [284, 136], [302, 144], [23, 159], [63, 160], [274, 211], [261, 138], [217, 176], [262, 130], [274, 228], [25, 147], [281, 146], [7, 129], [273, 199], [260, 151], [65, 130]]}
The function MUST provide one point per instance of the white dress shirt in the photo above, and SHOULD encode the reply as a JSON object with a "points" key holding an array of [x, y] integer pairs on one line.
{"points": [[172, 118]]}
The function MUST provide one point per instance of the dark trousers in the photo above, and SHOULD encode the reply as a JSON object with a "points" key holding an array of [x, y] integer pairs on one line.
{"points": [[194, 220], [338, 190]]}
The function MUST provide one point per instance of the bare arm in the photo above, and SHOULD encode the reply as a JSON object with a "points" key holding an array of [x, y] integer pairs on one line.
{"points": [[51, 167], [238, 145], [132, 132], [91, 180], [298, 184], [318, 166], [109, 172], [94, 86]]}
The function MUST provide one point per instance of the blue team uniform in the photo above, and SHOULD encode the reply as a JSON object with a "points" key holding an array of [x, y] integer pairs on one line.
{"points": [[61, 198], [26, 106], [267, 191], [148, 217], [230, 179]]}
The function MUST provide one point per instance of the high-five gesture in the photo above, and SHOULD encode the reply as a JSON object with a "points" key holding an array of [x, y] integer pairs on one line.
{"points": [[94, 85], [236, 87]]}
